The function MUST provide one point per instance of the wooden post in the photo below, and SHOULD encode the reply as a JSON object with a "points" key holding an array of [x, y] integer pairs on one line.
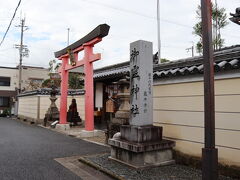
{"points": [[209, 152]]}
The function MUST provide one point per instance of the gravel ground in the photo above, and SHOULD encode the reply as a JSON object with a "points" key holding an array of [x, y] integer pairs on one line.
{"points": [[98, 139], [172, 172]]}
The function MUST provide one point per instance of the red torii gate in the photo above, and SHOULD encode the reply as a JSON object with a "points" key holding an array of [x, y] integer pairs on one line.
{"points": [[71, 52]]}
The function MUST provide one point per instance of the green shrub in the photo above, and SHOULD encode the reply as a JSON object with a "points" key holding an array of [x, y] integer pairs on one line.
{"points": [[6, 112]]}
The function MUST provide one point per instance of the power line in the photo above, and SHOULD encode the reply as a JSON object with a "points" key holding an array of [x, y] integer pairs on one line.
{"points": [[24, 64], [6, 49], [144, 15], [135, 12], [10, 22]]}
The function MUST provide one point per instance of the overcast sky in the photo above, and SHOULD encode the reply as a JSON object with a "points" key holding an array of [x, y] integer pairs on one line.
{"points": [[130, 20]]}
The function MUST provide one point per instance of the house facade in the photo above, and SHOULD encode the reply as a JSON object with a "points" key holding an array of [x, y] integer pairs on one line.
{"points": [[9, 79]]}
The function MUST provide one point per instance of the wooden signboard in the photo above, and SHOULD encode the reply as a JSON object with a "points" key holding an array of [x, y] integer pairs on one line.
{"points": [[110, 107]]}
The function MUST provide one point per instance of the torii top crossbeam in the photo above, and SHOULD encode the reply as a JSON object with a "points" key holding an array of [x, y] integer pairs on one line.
{"points": [[71, 53], [99, 32]]}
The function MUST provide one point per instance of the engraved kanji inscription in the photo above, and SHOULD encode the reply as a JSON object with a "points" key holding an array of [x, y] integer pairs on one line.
{"points": [[134, 72], [134, 110], [133, 56], [135, 90]]}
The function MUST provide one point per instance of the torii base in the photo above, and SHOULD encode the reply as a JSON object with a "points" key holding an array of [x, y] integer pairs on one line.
{"points": [[63, 127]]}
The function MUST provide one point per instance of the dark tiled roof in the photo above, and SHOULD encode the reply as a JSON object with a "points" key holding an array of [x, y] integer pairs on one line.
{"points": [[197, 69], [5, 67], [226, 59], [116, 70], [47, 91], [24, 67]]}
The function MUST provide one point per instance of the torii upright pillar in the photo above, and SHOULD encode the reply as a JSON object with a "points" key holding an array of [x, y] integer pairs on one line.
{"points": [[64, 92], [71, 53], [88, 70]]}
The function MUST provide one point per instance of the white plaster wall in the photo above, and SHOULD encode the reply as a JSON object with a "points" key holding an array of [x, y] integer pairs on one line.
{"points": [[28, 106], [178, 108]]}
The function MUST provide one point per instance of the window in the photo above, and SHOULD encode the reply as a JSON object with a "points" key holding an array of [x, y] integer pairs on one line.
{"points": [[4, 101], [4, 81]]}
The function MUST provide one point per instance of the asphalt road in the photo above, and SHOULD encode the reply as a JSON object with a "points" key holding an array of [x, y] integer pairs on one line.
{"points": [[27, 152]]}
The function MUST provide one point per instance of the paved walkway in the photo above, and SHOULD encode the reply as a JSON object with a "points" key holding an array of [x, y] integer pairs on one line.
{"points": [[27, 152]]}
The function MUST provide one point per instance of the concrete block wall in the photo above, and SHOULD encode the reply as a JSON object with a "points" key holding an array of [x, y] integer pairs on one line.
{"points": [[28, 107], [179, 109]]}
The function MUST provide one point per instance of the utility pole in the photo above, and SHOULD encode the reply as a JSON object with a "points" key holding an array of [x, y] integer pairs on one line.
{"points": [[23, 51], [20, 57], [68, 36], [192, 49], [158, 30]]}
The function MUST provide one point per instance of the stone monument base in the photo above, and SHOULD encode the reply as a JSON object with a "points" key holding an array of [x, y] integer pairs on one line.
{"points": [[119, 121], [141, 147]]}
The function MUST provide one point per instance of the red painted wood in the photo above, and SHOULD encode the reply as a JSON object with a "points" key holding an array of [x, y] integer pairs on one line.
{"points": [[87, 62], [64, 92], [88, 70]]}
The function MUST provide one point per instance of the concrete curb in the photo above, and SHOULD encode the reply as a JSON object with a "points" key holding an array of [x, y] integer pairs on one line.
{"points": [[98, 143], [105, 171]]}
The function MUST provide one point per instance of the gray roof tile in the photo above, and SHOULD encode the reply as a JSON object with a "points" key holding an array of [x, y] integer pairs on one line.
{"points": [[227, 59]]}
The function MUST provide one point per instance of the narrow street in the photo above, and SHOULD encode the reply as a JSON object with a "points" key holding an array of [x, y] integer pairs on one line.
{"points": [[27, 152]]}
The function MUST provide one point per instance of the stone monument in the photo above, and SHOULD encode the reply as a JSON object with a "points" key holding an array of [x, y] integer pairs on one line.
{"points": [[140, 144], [72, 115]]}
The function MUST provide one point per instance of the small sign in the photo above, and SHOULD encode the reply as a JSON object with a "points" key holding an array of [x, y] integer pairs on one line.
{"points": [[110, 107]]}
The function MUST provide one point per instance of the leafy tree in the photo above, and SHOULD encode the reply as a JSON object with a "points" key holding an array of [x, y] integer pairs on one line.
{"points": [[74, 80], [53, 66], [219, 19], [163, 60], [155, 59], [49, 82], [32, 85]]}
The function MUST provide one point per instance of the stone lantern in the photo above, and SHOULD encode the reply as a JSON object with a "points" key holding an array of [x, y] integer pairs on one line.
{"points": [[123, 112], [122, 115], [52, 113]]}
